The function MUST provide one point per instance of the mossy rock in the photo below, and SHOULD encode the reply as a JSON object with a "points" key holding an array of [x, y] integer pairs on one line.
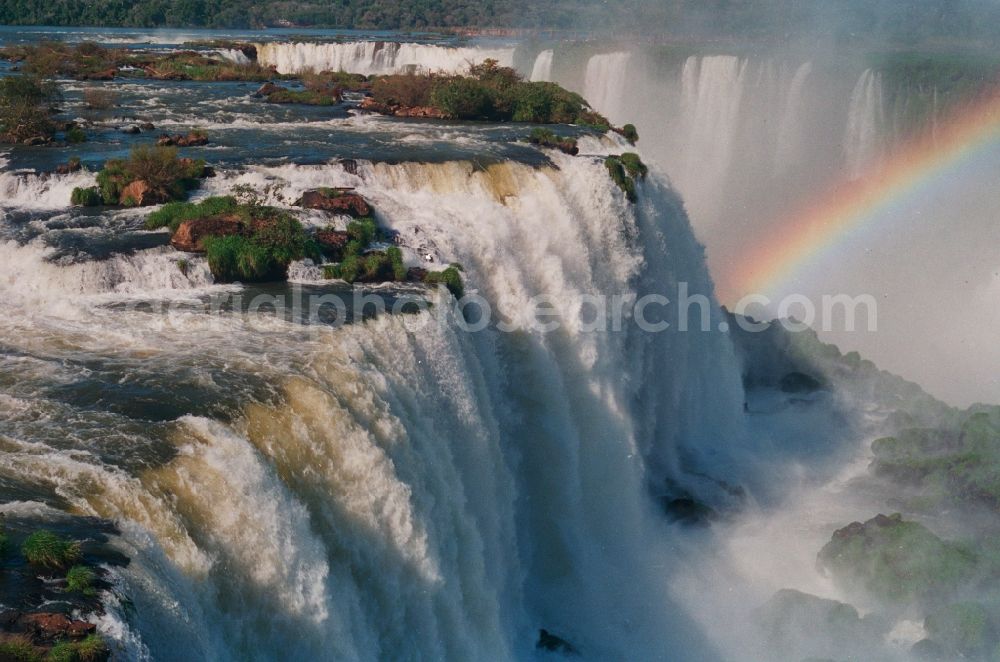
{"points": [[797, 625], [898, 562], [966, 629]]}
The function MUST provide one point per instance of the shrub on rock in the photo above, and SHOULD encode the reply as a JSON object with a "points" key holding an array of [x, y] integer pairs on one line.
{"points": [[86, 197], [46, 549], [165, 177]]}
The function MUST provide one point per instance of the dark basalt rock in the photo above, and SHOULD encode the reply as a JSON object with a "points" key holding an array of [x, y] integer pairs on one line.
{"points": [[688, 511], [800, 382], [555, 644], [416, 274], [350, 166], [267, 89]]}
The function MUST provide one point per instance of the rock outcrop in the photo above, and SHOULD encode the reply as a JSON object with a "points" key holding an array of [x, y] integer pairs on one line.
{"points": [[428, 112], [140, 194], [192, 139], [190, 235], [336, 201]]}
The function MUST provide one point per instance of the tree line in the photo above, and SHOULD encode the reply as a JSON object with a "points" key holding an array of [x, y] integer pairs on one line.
{"points": [[899, 20]]}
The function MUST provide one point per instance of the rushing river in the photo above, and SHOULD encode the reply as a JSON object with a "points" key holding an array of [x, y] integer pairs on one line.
{"points": [[290, 487]]}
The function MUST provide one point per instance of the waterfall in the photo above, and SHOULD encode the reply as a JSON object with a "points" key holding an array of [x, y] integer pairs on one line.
{"points": [[412, 491], [712, 90], [604, 84], [542, 70], [865, 123], [40, 191], [375, 57], [233, 55], [790, 134]]}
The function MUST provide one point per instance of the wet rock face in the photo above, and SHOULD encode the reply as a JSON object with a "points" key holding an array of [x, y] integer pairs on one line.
{"points": [[555, 644]]}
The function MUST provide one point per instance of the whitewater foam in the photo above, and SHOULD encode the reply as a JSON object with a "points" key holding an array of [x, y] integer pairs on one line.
{"points": [[375, 57]]}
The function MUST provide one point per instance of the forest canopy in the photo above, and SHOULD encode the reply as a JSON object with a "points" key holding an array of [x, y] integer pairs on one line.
{"points": [[840, 19]]}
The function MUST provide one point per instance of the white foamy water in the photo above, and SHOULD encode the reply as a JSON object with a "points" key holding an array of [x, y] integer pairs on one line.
{"points": [[387, 504], [604, 84], [375, 57], [542, 69], [40, 191]]}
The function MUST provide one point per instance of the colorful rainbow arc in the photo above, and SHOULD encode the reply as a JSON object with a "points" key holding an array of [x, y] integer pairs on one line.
{"points": [[802, 237]]}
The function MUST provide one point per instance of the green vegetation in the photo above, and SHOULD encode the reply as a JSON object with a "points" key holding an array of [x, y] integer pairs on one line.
{"points": [[172, 214], [167, 176], [274, 240], [90, 61], [46, 549], [848, 20], [545, 138], [192, 65], [947, 465], [25, 109], [323, 97], [898, 562], [342, 80], [450, 278], [80, 579], [3, 543], [86, 197], [629, 133], [257, 243], [90, 649], [490, 92], [624, 170], [18, 648], [966, 630], [358, 266], [76, 135]]}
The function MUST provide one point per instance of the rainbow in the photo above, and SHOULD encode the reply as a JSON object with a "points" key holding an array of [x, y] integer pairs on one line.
{"points": [[824, 223]]}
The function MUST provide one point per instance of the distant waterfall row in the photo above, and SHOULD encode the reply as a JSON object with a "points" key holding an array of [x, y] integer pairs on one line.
{"points": [[375, 57]]}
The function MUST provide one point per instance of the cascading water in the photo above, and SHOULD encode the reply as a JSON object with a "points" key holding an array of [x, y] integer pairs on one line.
{"points": [[712, 90], [604, 83], [403, 493], [542, 69], [865, 124], [788, 147], [375, 57]]}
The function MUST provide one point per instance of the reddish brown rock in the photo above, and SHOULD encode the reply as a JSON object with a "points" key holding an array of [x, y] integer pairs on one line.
{"points": [[192, 139], [332, 239], [54, 626], [337, 201], [140, 194], [190, 236], [369, 104], [107, 74], [67, 168], [429, 112]]}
